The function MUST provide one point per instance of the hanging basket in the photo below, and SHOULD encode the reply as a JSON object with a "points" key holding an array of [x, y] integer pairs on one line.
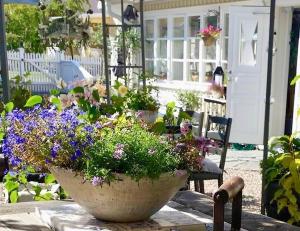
{"points": [[208, 41]]}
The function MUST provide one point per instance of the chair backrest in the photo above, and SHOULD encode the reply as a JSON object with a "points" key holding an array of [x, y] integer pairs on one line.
{"points": [[218, 128]]}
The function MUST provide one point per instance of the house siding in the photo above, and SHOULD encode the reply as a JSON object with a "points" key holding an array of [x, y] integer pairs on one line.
{"points": [[171, 4]]}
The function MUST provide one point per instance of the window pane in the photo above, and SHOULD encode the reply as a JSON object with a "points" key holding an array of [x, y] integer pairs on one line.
{"points": [[212, 20], [178, 49], [177, 71], [161, 69], [149, 49], [149, 30], [210, 52], [208, 71], [178, 28], [194, 25], [163, 27], [248, 42], [162, 49], [226, 26], [149, 66], [193, 49], [193, 71]]}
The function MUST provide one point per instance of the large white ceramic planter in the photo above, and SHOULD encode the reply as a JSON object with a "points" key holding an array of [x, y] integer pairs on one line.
{"points": [[121, 201], [148, 116]]}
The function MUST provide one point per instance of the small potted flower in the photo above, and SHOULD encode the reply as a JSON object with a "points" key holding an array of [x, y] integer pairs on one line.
{"points": [[144, 104], [216, 90], [209, 35]]}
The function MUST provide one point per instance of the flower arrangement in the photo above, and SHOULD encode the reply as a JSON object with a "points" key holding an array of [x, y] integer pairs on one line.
{"points": [[209, 34], [216, 90]]}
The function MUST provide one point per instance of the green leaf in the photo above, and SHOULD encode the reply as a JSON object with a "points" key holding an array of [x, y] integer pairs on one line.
{"points": [[49, 179], [44, 197], [23, 178], [9, 107], [96, 95], [284, 160], [295, 80], [77, 90], [34, 100], [298, 112], [11, 186], [54, 92], [57, 102], [13, 196], [37, 189], [159, 127]]}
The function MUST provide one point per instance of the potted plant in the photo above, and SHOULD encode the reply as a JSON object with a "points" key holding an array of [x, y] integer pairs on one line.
{"points": [[195, 75], [209, 35], [144, 103], [216, 90], [282, 172], [190, 100], [127, 170]]}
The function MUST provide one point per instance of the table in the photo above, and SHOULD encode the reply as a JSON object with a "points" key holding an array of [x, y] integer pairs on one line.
{"points": [[22, 216]]}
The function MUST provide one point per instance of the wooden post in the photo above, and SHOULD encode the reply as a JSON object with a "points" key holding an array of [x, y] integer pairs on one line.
{"points": [[231, 189], [3, 55], [236, 212]]}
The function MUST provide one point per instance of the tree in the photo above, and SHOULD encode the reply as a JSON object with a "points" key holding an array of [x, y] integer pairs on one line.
{"points": [[22, 28], [57, 24]]}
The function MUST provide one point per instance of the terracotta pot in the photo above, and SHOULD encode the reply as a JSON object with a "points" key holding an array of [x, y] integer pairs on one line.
{"points": [[208, 41], [122, 201], [148, 116]]}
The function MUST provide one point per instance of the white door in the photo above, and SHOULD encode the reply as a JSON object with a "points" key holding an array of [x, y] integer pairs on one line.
{"points": [[248, 57]]}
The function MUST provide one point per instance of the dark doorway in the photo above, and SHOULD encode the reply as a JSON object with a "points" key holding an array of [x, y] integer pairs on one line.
{"points": [[292, 71]]}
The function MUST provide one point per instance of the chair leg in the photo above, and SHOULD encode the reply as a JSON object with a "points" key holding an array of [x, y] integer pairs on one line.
{"points": [[196, 185], [220, 181], [201, 185]]}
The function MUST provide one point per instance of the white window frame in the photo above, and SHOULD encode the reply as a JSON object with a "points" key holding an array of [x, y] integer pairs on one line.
{"points": [[186, 13]]}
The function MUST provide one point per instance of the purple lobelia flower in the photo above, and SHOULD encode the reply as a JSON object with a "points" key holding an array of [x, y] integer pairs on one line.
{"points": [[54, 150], [96, 181]]}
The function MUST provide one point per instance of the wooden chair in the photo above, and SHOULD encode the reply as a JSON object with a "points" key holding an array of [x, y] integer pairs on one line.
{"points": [[230, 190], [218, 129]]}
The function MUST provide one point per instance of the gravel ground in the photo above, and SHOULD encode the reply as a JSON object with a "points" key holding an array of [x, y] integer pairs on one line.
{"points": [[252, 191]]}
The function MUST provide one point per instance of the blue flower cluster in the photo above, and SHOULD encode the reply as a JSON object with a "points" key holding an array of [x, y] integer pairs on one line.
{"points": [[55, 131]]}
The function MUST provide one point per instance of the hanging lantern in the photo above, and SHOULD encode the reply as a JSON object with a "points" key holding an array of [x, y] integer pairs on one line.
{"points": [[219, 76]]}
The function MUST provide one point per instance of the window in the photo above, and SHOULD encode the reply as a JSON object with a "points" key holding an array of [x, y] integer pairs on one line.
{"points": [[176, 53]]}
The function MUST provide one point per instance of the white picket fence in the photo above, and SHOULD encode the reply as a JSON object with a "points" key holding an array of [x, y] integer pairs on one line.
{"points": [[44, 69]]}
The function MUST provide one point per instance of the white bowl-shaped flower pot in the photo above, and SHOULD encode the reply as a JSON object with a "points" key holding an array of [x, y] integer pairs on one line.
{"points": [[125, 200], [148, 116]]}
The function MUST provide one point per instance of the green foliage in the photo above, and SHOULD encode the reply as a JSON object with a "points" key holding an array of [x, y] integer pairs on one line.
{"points": [[34, 100], [170, 117], [297, 78], [22, 28], [132, 40], [143, 154], [13, 181], [19, 92], [35, 29], [283, 166], [141, 100], [190, 100]]}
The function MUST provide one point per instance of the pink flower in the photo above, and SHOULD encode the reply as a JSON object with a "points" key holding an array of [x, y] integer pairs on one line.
{"points": [[185, 128], [66, 100], [118, 154]]}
